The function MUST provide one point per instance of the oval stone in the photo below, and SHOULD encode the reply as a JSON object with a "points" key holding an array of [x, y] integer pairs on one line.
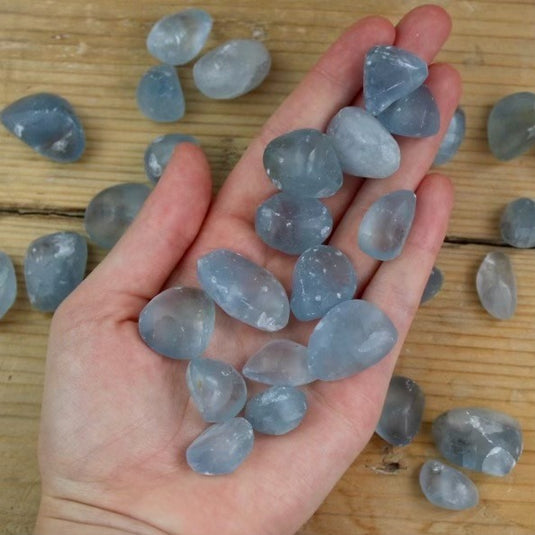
{"points": [[452, 139], [517, 224], [433, 286], [8, 284]]}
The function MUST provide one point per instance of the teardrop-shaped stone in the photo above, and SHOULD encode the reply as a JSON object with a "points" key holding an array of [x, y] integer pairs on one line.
{"points": [[48, 124], [323, 277], [110, 212], [221, 448], [244, 290], [178, 38], [178, 322], [479, 439], [517, 224], [390, 73], [232, 69], [433, 286], [446, 487], [364, 146], [496, 285], [8, 284], [303, 163], [386, 225], [452, 139], [351, 337], [160, 96]]}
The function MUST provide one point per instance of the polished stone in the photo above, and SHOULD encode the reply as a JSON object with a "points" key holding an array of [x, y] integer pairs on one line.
{"points": [[8, 284], [293, 224], [277, 410], [303, 163], [433, 286], [496, 285], [386, 225], [53, 267], [178, 322], [323, 277], [390, 73], [452, 139], [351, 337], [232, 69], [178, 38], [160, 96], [221, 448], [244, 290], [110, 212], [48, 124], [364, 146], [402, 412], [517, 224], [479, 439], [446, 487]]}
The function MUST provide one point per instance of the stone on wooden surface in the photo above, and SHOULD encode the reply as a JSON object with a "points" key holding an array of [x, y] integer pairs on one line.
{"points": [[517, 224], [452, 138], [8, 284], [433, 286]]}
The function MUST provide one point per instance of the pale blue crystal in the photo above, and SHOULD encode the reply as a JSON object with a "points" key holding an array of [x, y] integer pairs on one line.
{"points": [[479, 439], [244, 290], [364, 146], [323, 277], [178, 38], [48, 124], [111, 211], [386, 225], [304, 163], [279, 362], [8, 284], [293, 224], [446, 487], [390, 73], [160, 96], [351, 337], [159, 152], [415, 115], [232, 69], [221, 448], [277, 410], [452, 138], [53, 267], [517, 224], [433, 286], [216, 388], [178, 322]]}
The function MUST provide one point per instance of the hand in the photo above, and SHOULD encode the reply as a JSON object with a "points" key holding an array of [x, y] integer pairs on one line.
{"points": [[116, 417]]}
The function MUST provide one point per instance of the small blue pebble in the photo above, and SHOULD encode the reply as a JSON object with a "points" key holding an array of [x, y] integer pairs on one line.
{"points": [[8, 284]]}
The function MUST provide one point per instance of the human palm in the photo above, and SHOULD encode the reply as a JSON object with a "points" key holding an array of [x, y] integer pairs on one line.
{"points": [[117, 418]]}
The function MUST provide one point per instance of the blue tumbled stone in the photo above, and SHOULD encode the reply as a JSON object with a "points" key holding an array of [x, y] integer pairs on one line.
{"points": [[48, 124], [433, 286], [160, 96], [452, 138], [323, 277], [351, 337], [8, 284], [244, 290], [517, 224]]}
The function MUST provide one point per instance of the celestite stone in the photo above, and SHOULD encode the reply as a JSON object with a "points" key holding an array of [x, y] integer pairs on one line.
{"points": [[415, 115], [351, 337], [479, 439], [244, 290], [323, 277], [446, 487], [232, 69], [452, 138], [159, 152], [304, 163], [386, 225], [293, 224], [221, 448], [160, 96], [517, 224], [48, 124], [8, 284], [433, 286], [53, 267], [402, 412], [110, 212], [178, 38], [390, 73], [496, 285], [277, 410], [281, 363], [364, 146], [217, 389], [511, 125], [178, 322]]}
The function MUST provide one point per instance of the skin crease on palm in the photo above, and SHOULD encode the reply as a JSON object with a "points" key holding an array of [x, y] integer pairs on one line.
{"points": [[117, 418]]}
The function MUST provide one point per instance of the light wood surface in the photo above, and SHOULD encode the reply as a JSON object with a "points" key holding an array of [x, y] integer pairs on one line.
{"points": [[93, 53]]}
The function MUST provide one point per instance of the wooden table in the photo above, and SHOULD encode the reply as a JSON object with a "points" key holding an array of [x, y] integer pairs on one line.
{"points": [[93, 53]]}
